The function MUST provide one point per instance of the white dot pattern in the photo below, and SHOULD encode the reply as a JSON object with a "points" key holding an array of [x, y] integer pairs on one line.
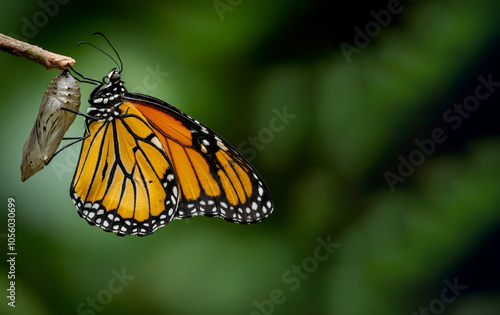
{"points": [[252, 208], [111, 221]]}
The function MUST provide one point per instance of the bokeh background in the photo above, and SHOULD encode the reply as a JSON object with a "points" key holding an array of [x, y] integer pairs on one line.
{"points": [[429, 244]]}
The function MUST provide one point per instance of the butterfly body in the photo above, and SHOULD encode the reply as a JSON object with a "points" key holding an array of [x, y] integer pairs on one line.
{"points": [[144, 163]]}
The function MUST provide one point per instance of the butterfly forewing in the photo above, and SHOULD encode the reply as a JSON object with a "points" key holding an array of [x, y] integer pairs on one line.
{"points": [[124, 182], [214, 179]]}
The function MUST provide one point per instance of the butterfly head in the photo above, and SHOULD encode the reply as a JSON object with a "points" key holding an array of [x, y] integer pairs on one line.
{"points": [[113, 77], [110, 92]]}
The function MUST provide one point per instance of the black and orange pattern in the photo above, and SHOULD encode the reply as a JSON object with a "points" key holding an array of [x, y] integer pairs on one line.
{"points": [[144, 162], [124, 182], [214, 179]]}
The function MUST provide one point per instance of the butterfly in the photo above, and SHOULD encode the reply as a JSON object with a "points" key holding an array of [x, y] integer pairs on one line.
{"points": [[143, 163], [57, 112]]}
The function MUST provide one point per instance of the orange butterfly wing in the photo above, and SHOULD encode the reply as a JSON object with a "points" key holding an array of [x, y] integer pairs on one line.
{"points": [[213, 178], [123, 182]]}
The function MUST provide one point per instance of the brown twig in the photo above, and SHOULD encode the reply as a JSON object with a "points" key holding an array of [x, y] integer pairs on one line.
{"points": [[34, 53]]}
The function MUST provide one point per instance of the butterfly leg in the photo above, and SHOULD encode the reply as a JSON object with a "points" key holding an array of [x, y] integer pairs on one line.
{"points": [[77, 139], [79, 113], [84, 79]]}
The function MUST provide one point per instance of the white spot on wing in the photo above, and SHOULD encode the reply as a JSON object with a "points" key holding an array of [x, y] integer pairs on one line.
{"points": [[221, 145], [157, 143]]}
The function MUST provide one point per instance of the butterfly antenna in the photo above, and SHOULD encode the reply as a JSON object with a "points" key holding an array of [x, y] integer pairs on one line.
{"points": [[84, 42], [121, 63]]}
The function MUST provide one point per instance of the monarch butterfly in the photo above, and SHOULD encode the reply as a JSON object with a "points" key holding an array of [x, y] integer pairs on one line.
{"points": [[144, 163], [57, 112]]}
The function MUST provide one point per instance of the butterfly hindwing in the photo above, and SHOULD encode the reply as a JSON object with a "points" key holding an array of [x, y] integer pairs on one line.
{"points": [[124, 182], [213, 178]]}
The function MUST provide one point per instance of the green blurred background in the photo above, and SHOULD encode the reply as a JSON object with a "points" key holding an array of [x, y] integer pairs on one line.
{"points": [[234, 65]]}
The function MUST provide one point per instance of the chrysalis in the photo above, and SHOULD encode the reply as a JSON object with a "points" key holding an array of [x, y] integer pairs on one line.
{"points": [[51, 124]]}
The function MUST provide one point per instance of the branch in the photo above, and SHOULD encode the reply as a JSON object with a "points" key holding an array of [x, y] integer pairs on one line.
{"points": [[34, 53]]}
